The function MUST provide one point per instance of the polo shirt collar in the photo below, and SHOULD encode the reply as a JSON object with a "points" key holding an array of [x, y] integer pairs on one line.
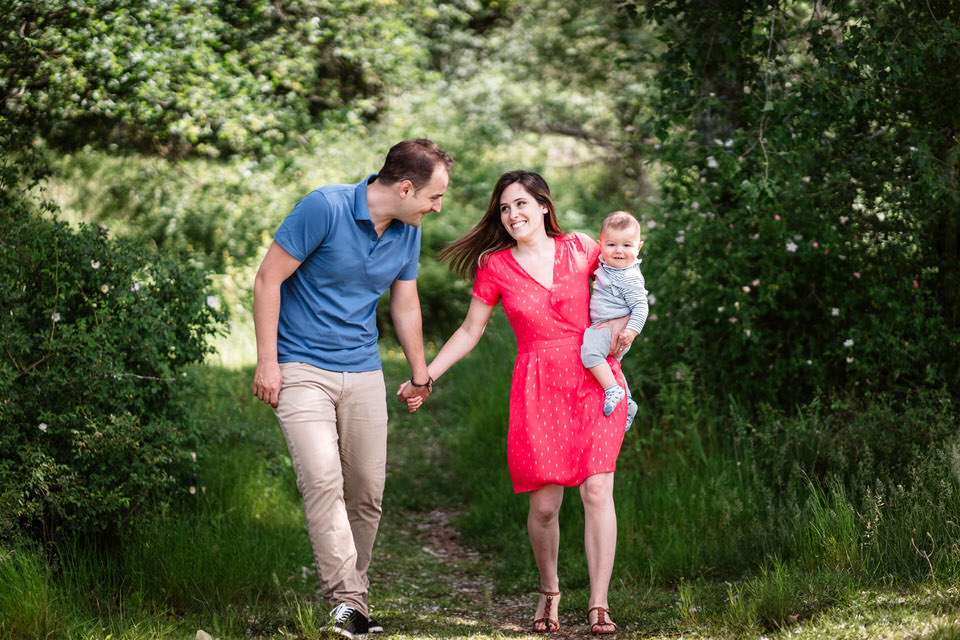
{"points": [[361, 209]]}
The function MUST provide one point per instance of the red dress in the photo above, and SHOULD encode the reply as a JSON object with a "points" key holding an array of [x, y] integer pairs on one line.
{"points": [[558, 433]]}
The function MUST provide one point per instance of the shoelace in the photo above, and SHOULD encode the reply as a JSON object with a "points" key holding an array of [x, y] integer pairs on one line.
{"points": [[342, 613]]}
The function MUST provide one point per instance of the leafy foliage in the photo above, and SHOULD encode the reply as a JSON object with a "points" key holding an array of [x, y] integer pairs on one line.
{"points": [[810, 198], [97, 335], [198, 76]]}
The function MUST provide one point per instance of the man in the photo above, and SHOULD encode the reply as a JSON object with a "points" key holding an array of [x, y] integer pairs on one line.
{"points": [[318, 364]]}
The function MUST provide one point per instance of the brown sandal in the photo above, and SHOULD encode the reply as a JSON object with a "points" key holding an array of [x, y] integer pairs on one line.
{"points": [[549, 624], [601, 626]]}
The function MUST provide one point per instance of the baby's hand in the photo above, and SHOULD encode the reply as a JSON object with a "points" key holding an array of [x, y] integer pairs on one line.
{"points": [[414, 403]]}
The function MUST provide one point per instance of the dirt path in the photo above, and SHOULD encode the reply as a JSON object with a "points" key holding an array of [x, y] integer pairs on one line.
{"points": [[456, 596]]}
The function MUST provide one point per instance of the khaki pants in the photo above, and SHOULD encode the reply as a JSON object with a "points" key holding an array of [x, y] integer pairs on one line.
{"points": [[335, 424]]}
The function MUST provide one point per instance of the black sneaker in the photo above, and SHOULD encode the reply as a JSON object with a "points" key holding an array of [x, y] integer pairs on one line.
{"points": [[349, 622], [374, 626]]}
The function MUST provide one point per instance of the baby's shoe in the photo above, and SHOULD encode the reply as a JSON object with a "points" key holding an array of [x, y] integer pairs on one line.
{"points": [[631, 413], [612, 396]]}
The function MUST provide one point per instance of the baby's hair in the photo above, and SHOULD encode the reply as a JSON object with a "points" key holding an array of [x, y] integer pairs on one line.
{"points": [[619, 220]]}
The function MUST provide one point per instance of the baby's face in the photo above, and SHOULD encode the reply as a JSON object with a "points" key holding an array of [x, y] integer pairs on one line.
{"points": [[619, 247]]}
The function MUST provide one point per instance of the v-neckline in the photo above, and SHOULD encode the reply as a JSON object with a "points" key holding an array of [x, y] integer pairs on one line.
{"points": [[553, 267]]}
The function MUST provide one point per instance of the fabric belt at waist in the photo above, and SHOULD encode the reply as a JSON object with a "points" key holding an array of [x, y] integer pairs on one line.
{"points": [[537, 345]]}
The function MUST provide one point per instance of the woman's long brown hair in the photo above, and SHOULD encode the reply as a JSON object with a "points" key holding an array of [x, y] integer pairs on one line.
{"points": [[469, 252]]}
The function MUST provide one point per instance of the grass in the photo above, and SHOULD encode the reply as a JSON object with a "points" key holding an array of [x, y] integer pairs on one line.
{"points": [[705, 548]]}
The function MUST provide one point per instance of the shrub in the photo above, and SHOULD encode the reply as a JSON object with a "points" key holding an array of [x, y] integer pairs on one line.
{"points": [[97, 334], [808, 235]]}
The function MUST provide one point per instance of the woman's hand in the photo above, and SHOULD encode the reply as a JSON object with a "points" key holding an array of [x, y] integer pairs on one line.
{"points": [[413, 395], [618, 327], [622, 342]]}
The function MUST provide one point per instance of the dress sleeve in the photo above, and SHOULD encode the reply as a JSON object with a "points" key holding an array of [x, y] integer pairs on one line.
{"points": [[486, 288], [591, 250]]}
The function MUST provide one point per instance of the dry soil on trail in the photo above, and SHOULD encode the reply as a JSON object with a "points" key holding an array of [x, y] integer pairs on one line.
{"points": [[459, 591]]}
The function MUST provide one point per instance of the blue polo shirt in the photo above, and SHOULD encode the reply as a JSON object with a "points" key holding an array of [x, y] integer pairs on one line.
{"points": [[328, 306]]}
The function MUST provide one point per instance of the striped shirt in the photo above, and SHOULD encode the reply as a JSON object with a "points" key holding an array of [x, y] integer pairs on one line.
{"points": [[618, 292]]}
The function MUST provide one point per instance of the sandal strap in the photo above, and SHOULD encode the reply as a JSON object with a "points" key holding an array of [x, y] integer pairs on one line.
{"points": [[549, 595], [601, 612], [551, 624]]}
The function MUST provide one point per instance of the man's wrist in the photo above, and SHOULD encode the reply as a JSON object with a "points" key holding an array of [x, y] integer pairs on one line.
{"points": [[428, 384]]}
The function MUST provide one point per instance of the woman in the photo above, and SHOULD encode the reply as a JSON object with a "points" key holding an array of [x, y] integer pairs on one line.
{"points": [[558, 435]]}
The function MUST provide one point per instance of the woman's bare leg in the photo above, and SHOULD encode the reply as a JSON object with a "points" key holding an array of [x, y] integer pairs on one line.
{"points": [[543, 524], [599, 536]]}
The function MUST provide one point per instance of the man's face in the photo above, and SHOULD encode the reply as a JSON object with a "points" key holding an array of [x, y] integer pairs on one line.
{"points": [[416, 204]]}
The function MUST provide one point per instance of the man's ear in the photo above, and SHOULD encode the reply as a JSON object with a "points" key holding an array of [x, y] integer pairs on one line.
{"points": [[405, 188]]}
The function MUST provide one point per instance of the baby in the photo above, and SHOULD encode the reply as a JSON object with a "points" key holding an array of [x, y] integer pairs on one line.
{"points": [[618, 290]]}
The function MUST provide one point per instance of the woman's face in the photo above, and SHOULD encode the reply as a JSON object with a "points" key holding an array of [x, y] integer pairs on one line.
{"points": [[521, 214]]}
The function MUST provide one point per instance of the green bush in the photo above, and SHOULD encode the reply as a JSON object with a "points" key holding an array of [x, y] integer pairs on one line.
{"points": [[97, 334], [808, 236]]}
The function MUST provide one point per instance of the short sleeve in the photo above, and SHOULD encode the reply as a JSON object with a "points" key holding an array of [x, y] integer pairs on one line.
{"points": [[486, 289], [409, 270], [590, 249], [306, 227]]}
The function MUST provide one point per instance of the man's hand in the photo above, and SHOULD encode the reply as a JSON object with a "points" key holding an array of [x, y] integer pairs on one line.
{"points": [[414, 396], [267, 381]]}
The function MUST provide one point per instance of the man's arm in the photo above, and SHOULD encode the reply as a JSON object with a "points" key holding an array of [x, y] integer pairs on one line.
{"points": [[408, 323], [277, 266]]}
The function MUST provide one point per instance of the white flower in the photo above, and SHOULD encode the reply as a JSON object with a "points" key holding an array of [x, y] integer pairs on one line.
{"points": [[712, 162], [746, 288], [835, 311], [748, 332], [849, 359], [212, 302], [135, 286], [95, 264], [42, 426], [193, 490], [651, 299], [679, 239], [55, 316], [843, 219], [805, 179], [848, 342], [193, 456], [792, 246], [728, 143], [651, 224], [105, 288]]}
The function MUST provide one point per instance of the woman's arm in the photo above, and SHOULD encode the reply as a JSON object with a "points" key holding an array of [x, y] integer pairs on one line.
{"points": [[462, 342], [463, 339]]}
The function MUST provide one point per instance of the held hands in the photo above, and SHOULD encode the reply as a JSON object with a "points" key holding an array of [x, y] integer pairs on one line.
{"points": [[413, 394]]}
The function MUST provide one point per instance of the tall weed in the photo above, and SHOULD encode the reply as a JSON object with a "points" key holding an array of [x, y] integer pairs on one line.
{"points": [[27, 598]]}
